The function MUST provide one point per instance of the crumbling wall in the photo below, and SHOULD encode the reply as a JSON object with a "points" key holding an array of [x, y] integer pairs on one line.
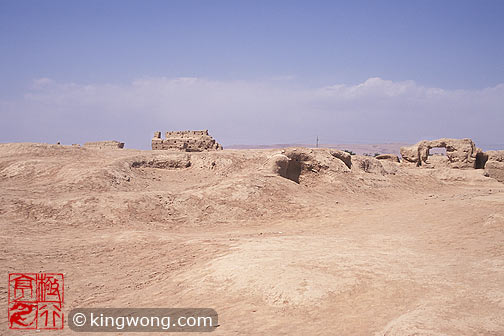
{"points": [[186, 141], [295, 163], [109, 144], [494, 166], [343, 156], [461, 153]]}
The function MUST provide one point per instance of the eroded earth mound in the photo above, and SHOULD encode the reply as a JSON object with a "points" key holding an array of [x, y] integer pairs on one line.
{"points": [[296, 241]]}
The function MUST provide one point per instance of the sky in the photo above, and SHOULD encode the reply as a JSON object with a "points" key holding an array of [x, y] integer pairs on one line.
{"points": [[252, 72]]}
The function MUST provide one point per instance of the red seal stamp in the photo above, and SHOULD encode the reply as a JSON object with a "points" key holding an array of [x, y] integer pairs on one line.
{"points": [[36, 301]]}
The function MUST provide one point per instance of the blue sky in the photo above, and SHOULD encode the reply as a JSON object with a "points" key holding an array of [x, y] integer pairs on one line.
{"points": [[258, 67]]}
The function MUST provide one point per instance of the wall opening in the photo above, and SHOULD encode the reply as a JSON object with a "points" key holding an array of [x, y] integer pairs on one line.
{"points": [[436, 156], [294, 169], [481, 159], [441, 151]]}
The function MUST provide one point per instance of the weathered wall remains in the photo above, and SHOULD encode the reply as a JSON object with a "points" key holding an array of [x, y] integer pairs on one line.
{"points": [[187, 141], [112, 144], [494, 166], [461, 153]]}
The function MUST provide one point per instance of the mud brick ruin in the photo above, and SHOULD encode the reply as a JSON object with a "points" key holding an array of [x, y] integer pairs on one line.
{"points": [[186, 141], [460, 153], [112, 144]]}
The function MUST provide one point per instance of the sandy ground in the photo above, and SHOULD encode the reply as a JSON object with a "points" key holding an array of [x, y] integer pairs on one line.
{"points": [[405, 251]]}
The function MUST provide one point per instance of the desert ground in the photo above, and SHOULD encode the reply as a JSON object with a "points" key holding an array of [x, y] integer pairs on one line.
{"points": [[378, 249]]}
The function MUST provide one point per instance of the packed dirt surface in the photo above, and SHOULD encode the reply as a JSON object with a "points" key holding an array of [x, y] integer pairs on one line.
{"points": [[375, 249]]}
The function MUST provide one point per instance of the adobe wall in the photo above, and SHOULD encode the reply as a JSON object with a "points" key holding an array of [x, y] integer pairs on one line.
{"points": [[187, 141], [461, 153], [494, 164]]}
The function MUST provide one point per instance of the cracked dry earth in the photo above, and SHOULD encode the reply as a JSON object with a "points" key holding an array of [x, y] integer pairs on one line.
{"points": [[400, 251]]}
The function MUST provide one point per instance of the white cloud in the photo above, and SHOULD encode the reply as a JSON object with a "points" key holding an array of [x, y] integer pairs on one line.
{"points": [[272, 111], [41, 82]]}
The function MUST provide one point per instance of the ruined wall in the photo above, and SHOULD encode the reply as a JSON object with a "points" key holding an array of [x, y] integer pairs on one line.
{"points": [[461, 153], [494, 165], [112, 144], [187, 141]]}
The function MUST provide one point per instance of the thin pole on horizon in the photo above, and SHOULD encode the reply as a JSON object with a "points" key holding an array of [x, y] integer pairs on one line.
{"points": [[317, 141]]}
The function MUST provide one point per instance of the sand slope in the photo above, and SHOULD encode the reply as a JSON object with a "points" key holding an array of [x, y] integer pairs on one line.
{"points": [[390, 251]]}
